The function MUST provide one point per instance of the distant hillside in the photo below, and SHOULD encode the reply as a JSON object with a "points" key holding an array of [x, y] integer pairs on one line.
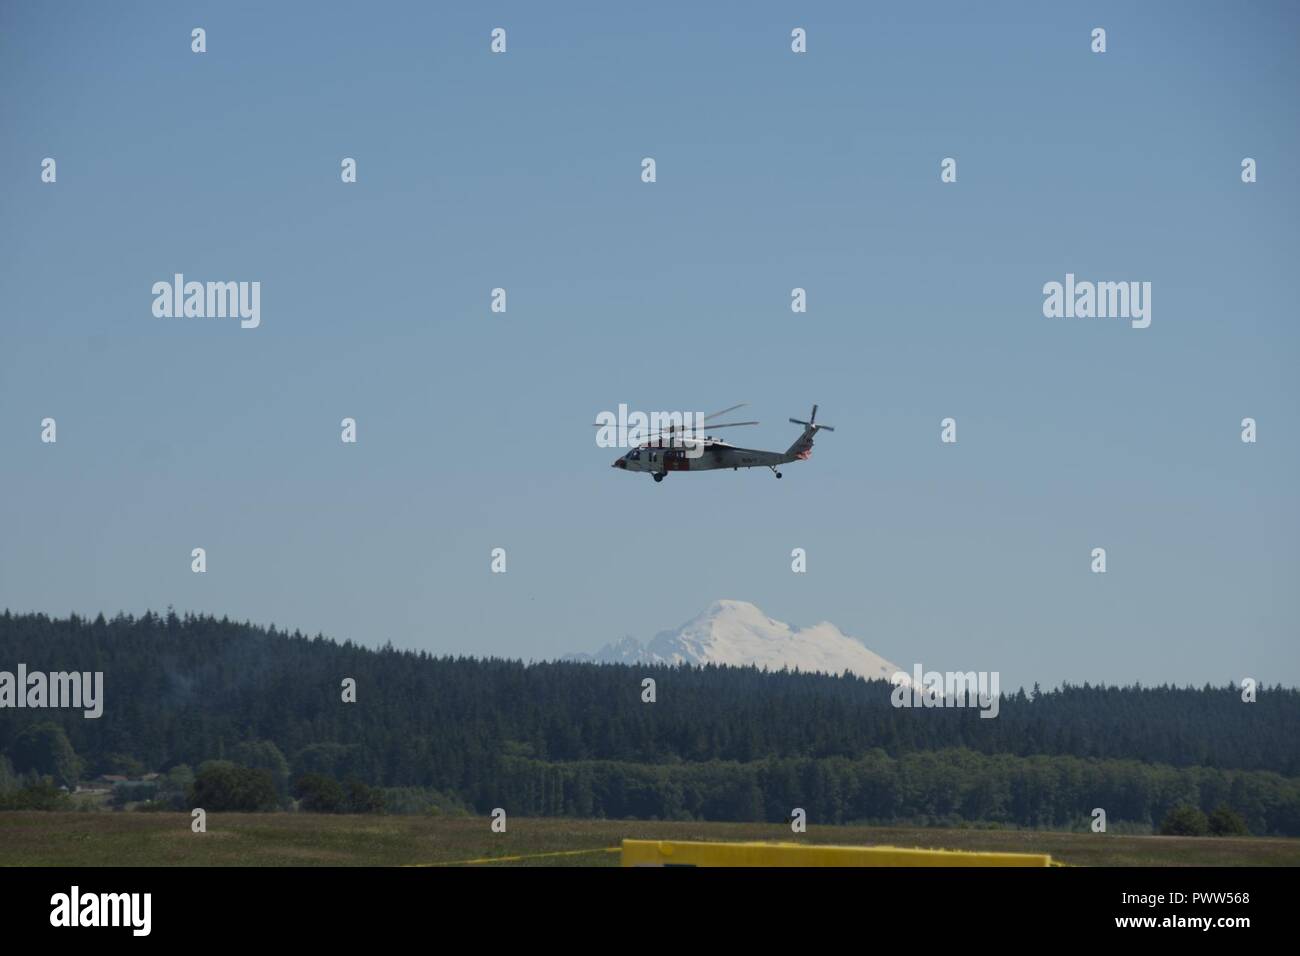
{"points": [[719, 742]]}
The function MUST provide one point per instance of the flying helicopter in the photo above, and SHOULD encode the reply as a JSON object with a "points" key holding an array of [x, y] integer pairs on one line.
{"points": [[685, 449]]}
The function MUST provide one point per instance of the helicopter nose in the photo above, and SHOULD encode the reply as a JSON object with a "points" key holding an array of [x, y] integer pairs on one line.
{"points": [[619, 463]]}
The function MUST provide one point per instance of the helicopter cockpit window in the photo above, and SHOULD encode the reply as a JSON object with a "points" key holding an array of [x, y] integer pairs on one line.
{"points": [[636, 455]]}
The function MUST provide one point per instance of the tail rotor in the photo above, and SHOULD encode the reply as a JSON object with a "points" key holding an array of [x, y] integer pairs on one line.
{"points": [[811, 424]]}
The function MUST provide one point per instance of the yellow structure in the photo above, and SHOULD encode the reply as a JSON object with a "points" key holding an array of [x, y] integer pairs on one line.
{"points": [[684, 853]]}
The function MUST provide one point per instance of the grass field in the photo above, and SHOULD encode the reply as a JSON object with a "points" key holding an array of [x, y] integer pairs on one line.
{"points": [[299, 839]]}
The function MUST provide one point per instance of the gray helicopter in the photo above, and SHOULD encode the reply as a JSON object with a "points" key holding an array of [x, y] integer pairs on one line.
{"points": [[684, 449]]}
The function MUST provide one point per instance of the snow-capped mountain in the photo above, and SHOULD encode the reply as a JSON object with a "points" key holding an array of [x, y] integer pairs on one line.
{"points": [[739, 634]]}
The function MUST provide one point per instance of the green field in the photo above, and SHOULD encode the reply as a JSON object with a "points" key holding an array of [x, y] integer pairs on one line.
{"points": [[299, 839]]}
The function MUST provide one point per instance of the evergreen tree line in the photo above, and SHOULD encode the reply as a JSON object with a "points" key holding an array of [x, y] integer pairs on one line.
{"points": [[575, 738], [944, 787]]}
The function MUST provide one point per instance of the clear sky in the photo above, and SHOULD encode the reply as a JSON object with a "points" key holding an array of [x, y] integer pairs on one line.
{"points": [[775, 170]]}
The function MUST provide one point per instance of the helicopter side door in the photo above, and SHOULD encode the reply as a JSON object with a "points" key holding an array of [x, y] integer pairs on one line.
{"points": [[675, 459]]}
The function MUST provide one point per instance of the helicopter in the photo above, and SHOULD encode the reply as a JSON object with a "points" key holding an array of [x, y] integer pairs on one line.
{"points": [[683, 449]]}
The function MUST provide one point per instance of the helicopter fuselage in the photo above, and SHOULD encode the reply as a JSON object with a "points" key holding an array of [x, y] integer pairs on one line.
{"points": [[654, 459]]}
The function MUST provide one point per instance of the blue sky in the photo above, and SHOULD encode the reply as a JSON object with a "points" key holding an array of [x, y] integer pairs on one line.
{"points": [[775, 170]]}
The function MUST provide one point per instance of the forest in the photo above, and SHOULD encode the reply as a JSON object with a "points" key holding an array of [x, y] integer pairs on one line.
{"points": [[575, 739]]}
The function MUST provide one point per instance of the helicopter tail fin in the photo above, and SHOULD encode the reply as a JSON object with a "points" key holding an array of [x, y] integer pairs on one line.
{"points": [[802, 448]]}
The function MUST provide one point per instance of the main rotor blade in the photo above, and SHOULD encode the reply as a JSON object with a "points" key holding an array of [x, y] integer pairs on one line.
{"points": [[725, 410], [688, 435], [687, 430], [705, 418]]}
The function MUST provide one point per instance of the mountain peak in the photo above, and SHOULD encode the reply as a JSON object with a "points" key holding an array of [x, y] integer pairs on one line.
{"points": [[730, 604], [726, 607], [739, 634]]}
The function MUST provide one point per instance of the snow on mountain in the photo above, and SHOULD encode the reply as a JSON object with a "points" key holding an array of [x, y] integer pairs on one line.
{"points": [[739, 634]]}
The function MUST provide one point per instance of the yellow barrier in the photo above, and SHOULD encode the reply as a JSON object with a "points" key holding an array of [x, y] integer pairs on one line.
{"points": [[683, 853]]}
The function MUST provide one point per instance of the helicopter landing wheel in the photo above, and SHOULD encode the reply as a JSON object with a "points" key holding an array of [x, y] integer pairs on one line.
{"points": [[778, 474], [659, 477]]}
